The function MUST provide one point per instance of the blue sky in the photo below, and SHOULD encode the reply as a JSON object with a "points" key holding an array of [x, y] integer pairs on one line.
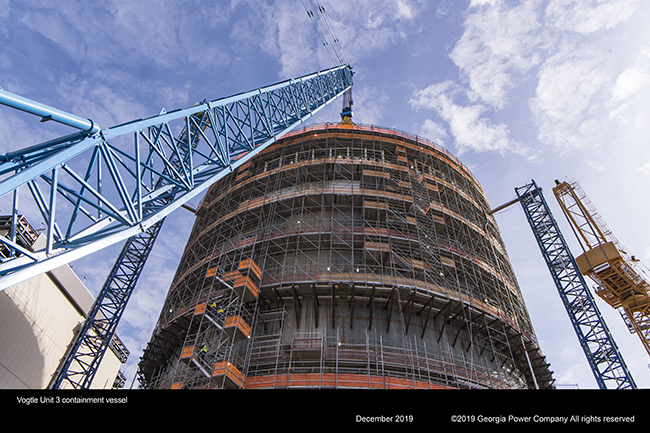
{"points": [[518, 90]]}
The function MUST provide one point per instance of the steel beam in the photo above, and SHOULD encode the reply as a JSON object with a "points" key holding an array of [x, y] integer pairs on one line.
{"points": [[46, 113]]}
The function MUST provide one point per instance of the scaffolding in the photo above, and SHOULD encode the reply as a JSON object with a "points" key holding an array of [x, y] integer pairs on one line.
{"points": [[321, 360], [377, 264]]}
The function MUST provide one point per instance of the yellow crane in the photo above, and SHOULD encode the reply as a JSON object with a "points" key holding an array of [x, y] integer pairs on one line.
{"points": [[618, 275]]}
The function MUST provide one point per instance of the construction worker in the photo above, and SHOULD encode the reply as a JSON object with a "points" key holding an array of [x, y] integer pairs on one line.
{"points": [[203, 352]]}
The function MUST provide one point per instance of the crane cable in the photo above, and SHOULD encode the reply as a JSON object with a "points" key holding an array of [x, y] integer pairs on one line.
{"points": [[325, 31], [333, 47]]}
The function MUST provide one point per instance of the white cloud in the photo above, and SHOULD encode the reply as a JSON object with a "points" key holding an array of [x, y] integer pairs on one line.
{"points": [[568, 97], [19, 130], [645, 169], [504, 42], [471, 130], [55, 30], [634, 79], [102, 103], [362, 30], [132, 33], [443, 8], [586, 97], [5, 9], [477, 3], [288, 37], [5, 61], [370, 26], [405, 9], [166, 33], [369, 105], [433, 131], [498, 41], [598, 166], [630, 99], [589, 16]]}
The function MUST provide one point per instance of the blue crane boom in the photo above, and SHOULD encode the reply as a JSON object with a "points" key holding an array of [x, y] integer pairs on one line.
{"points": [[99, 189], [116, 184], [595, 338]]}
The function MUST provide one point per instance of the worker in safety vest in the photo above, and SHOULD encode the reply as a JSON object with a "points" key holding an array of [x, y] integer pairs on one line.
{"points": [[203, 352], [212, 309]]}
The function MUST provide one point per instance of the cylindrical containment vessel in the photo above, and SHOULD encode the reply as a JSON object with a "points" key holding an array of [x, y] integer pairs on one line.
{"points": [[345, 256]]}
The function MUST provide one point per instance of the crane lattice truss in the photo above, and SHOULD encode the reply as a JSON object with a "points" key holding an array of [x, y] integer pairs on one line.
{"points": [[597, 343], [606, 262], [105, 186]]}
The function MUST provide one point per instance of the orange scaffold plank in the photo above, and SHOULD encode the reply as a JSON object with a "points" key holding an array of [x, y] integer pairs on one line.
{"points": [[332, 380], [231, 376]]}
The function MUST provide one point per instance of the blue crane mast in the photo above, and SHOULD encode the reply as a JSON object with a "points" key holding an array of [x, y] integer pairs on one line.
{"points": [[597, 343], [105, 186]]}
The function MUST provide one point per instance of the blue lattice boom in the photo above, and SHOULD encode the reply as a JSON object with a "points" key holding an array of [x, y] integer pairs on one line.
{"points": [[95, 189]]}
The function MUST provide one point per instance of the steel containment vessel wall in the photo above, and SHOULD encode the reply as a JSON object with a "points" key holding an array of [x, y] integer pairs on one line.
{"points": [[345, 256]]}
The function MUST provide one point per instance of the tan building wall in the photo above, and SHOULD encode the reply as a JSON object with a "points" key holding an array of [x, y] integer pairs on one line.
{"points": [[37, 323]]}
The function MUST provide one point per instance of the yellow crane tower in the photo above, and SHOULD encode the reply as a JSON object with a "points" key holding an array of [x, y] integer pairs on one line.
{"points": [[606, 262]]}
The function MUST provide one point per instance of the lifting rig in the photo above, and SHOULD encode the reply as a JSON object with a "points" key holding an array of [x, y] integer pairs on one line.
{"points": [[606, 261], [596, 341], [98, 187]]}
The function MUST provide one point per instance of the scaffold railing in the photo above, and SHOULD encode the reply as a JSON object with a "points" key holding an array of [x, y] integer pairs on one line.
{"points": [[320, 354]]}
